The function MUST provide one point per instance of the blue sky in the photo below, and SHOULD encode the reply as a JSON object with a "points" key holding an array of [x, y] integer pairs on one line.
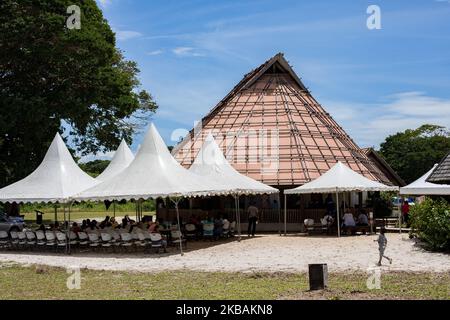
{"points": [[373, 82]]}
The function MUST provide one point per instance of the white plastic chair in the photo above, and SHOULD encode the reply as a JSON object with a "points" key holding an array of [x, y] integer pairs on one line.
{"points": [[106, 240], [94, 241], [127, 240], [157, 241], [4, 239], [61, 240], [22, 238], [177, 237], [83, 239], [31, 238], [51, 239], [14, 238], [40, 236]]}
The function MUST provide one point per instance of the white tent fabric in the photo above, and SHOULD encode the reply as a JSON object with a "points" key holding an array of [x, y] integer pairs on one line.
{"points": [[56, 179], [422, 187], [340, 178], [211, 164], [153, 173], [121, 160]]}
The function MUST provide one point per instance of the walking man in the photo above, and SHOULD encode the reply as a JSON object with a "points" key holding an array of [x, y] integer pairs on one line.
{"points": [[252, 219], [382, 243]]}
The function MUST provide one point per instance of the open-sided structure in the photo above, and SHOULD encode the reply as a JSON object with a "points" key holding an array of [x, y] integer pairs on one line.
{"points": [[339, 178], [421, 187]]}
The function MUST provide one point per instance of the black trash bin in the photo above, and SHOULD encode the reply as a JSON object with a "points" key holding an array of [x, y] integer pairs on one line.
{"points": [[39, 216], [318, 276]]}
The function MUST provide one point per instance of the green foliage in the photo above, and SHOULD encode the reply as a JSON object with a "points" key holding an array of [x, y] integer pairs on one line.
{"points": [[53, 76], [413, 152], [94, 168], [430, 222]]}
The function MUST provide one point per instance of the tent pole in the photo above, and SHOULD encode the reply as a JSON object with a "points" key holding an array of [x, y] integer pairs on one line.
{"points": [[178, 222], [238, 218], [68, 229], [65, 226], [338, 214], [285, 214], [114, 208], [279, 214], [56, 213]]}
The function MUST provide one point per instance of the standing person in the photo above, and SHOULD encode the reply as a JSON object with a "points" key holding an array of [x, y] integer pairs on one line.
{"points": [[382, 243], [405, 211], [252, 218]]}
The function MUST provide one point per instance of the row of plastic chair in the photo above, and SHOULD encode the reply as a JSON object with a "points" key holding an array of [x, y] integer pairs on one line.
{"points": [[105, 239]]}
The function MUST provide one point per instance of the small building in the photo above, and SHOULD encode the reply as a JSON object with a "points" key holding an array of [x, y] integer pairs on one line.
{"points": [[441, 174]]}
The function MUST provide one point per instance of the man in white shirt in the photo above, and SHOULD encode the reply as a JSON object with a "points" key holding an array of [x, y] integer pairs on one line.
{"points": [[349, 221]]}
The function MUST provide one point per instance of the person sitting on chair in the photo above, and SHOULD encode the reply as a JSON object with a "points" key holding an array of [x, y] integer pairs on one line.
{"points": [[348, 221], [362, 219]]}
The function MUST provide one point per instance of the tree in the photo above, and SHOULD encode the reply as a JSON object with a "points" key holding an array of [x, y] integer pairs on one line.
{"points": [[413, 152], [95, 167], [53, 78]]}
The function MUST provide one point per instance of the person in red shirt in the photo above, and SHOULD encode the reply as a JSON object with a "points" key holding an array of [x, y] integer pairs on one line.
{"points": [[405, 211]]}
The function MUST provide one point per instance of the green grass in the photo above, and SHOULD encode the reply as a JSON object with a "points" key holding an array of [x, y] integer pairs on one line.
{"points": [[30, 218], [38, 282]]}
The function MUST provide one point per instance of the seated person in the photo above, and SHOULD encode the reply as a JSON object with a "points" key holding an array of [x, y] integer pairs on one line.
{"points": [[218, 227], [327, 220], [113, 223], [41, 228], [75, 228], [348, 220], [362, 220], [153, 227], [208, 227]]}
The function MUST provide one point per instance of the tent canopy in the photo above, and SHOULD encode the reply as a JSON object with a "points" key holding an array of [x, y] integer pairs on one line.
{"points": [[211, 164], [56, 179], [153, 173], [340, 178], [122, 159], [422, 187]]}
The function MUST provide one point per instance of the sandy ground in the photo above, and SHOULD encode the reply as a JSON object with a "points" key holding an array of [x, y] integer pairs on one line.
{"points": [[269, 253]]}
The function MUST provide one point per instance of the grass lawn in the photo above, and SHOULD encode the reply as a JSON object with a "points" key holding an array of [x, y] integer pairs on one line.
{"points": [[39, 282], [48, 217]]}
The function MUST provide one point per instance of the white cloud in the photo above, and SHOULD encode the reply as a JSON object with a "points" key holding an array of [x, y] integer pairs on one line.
{"points": [[187, 51], [104, 3], [155, 52], [99, 156], [124, 35], [370, 124]]}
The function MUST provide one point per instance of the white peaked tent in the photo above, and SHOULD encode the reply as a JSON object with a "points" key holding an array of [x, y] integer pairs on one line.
{"points": [[211, 164], [121, 159], [56, 179], [153, 173], [339, 178], [422, 187]]}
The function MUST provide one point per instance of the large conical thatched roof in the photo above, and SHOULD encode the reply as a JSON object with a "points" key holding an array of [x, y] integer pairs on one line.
{"points": [[272, 129]]}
